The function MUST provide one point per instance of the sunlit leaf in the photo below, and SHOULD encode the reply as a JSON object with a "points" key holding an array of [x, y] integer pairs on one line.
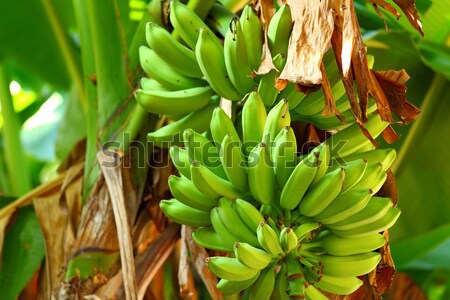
{"points": [[28, 39]]}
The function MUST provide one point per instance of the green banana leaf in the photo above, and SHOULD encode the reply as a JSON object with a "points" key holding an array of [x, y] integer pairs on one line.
{"points": [[27, 38]]}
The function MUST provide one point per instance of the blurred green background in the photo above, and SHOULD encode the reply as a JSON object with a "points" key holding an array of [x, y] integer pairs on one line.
{"points": [[45, 111]]}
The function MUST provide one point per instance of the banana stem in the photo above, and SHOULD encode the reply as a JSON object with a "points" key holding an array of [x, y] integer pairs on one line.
{"points": [[430, 105], [16, 163], [201, 7]]}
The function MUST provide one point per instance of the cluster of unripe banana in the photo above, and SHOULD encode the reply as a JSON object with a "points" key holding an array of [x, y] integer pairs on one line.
{"points": [[186, 81], [294, 224]]}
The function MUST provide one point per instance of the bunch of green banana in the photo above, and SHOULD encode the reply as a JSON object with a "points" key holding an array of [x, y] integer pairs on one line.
{"points": [[191, 69], [293, 226]]}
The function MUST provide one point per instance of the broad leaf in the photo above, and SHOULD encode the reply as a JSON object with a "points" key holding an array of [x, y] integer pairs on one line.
{"points": [[27, 37]]}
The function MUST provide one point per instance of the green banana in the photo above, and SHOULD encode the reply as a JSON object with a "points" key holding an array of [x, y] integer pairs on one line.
{"points": [[207, 237], [339, 246], [321, 158], [253, 36], [210, 57], [261, 178], [279, 31], [233, 162], [251, 256], [284, 155], [230, 268], [373, 178], [322, 194], [171, 51], [288, 239], [235, 224], [266, 88], [184, 214], [204, 151], [339, 285], [297, 185], [291, 93], [174, 102], [354, 172], [277, 118], [221, 125], [253, 120], [251, 216], [268, 239], [151, 84], [236, 60], [222, 229], [180, 159], [385, 157], [351, 265], [186, 23], [158, 69], [387, 221], [374, 210], [344, 206], [349, 140], [197, 120], [312, 293], [332, 122], [305, 230], [263, 287], [185, 191], [210, 184], [229, 287]]}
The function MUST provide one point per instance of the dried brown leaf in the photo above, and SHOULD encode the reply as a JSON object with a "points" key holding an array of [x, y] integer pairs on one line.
{"points": [[344, 27], [267, 9], [405, 288], [46, 189], [310, 38], [150, 261], [367, 134], [411, 12], [361, 69], [198, 256], [114, 182], [389, 135], [408, 7], [58, 237], [381, 277], [3, 224], [386, 6], [330, 104], [343, 43], [185, 278], [393, 85], [389, 188]]}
